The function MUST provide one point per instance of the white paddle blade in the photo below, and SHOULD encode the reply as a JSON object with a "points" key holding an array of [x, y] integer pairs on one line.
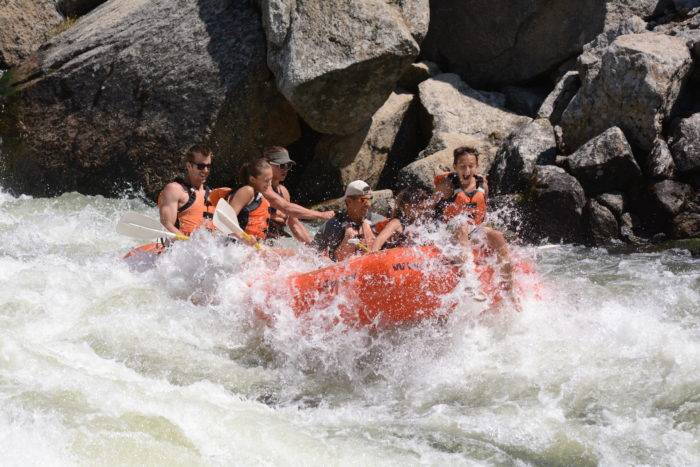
{"points": [[142, 227], [226, 219]]}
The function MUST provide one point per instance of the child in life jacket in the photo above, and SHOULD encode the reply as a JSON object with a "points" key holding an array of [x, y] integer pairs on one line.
{"points": [[249, 203], [414, 206], [463, 195]]}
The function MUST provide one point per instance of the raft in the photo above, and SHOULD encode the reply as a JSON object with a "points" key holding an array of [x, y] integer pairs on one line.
{"points": [[149, 249]]}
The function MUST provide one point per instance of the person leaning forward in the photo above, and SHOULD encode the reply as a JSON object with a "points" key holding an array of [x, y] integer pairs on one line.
{"points": [[334, 237]]}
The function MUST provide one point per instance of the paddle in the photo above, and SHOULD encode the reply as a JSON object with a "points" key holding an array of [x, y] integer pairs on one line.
{"points": [[135, 225], [226, 220], [359, 244]]}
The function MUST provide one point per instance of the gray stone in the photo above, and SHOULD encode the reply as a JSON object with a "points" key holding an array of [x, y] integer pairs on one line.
{"points": [[416, 74], [438, 157], [24, 26], [556, 102], [639, 80], [556, 205], [670, 196], [116, 100], [605, 163], [448, 105], [524, 100], [336, 61], [686, 225], [533, 145], [500, 42], [615, 202], [602, 225], [685, 145], [382, 203], [629, 225], [660, 163], [363, 155]]}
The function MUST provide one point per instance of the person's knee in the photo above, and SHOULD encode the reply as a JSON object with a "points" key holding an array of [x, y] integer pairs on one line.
{"points": [[495, 238]]}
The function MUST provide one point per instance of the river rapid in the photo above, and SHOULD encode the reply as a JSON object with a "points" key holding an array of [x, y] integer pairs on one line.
{"points": [[103, 363]]}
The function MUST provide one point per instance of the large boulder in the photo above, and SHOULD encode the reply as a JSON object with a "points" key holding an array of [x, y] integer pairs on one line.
{"points": [[605, 163], [601, 223], [669, 197], [686, 225], [685, 145], [416, 73], [659, 163], [639, 80], [438, 158], [498, 42], [116, 100], [24, 26], [556, 203], [557, 100], [449, 105], [337, 61], [533, 145], [365, 154], [615, 202]]}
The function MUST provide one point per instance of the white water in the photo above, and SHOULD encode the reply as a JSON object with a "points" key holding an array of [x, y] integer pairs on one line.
{"points": [[103, 364]]}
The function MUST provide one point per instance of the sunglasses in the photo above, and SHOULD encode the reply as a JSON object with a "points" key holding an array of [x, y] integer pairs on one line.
{"points": [[287, 166], [201, 165]]}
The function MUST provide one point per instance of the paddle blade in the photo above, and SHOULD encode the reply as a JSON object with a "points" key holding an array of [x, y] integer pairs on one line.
{"points": [[226, 220], [142, 227]]}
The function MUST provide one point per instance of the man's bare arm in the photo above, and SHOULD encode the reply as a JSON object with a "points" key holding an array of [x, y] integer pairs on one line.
{"points": [[168, 201], [292, 209]]}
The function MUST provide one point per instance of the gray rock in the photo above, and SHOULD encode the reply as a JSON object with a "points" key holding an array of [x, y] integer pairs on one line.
{"points": [[336, 61], [605, 163], [416, 74], [686, 225], [24, 26], [448, 105], [533, 145], [438, 157], [639, 80], [556, 102], [685, 145], [500, 42], [669, 196], [629, 225], [524, 100], [683, 6], [615, 202], [602, 225], [363, 155], [660, 163], [556, 205], [641, 8], [116, 100]]}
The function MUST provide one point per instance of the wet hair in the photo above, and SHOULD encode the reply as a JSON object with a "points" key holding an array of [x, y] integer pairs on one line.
{"points": [[465, 151], [411, 197], [252, 169], [197, 149]]}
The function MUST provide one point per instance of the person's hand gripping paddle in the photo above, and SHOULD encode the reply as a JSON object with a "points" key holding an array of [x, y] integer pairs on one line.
{"points": [[226, 220]]}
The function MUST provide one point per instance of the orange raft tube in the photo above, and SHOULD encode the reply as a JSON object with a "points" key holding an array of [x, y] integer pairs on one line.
{"points": [[383, 289]]}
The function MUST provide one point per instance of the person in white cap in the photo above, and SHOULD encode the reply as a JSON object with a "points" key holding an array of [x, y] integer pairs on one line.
{"points": [[334, 237]]}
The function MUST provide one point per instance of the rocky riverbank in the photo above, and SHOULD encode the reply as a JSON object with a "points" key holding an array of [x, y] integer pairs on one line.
{"points": [[587, 113]]}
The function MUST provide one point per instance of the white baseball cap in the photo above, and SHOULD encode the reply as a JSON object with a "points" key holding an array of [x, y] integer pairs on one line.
{"points": [[358, 188]]}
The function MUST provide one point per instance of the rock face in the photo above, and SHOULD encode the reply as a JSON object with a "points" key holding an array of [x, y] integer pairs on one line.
{"points": [[602, 225], [448, 105], [524, 100], [119, 97], [686, 225], [533, 145], [363, 155], [615, 202], [77, 7], [336, 61], [685, 146], [605, 163], [416, 73], [670, 196], [438, 158], [557, 101], [498, 42], [24, 26], [556, 205], [659, 164], [639, 80]]}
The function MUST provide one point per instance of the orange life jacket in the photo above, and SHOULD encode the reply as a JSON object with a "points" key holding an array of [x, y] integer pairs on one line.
{"points": [[255, 217], [472, 204], [199, 208]]}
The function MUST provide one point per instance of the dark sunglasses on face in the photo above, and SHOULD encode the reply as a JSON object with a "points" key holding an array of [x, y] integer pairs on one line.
{"points": [[287, 166], [201, 165]]}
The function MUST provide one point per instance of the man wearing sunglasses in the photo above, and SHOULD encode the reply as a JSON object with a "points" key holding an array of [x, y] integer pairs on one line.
{"points": [[183, 203], [351, 229], [282, 210]]}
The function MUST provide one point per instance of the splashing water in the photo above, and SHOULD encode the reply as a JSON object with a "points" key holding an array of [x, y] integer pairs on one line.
{"points": [[103, 363]]}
